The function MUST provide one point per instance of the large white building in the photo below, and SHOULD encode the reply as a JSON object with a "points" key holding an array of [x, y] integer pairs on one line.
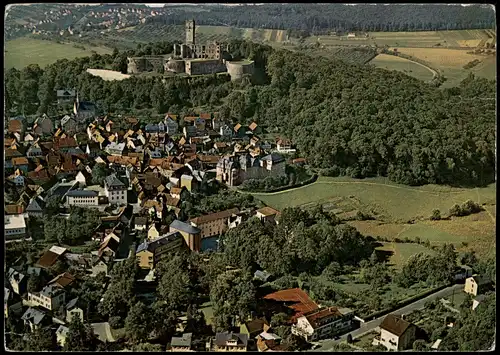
{"points": [[15, 226], [51, 297], [84, 198], [116, 191]]}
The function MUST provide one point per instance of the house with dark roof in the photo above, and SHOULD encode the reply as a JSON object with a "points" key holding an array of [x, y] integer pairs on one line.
{"points": [[149, 253], [73, 309], [17, 281], [182, 343], [267, 214], [35, 207], [116, 190], [63, 280], [323, 323], [396, 333], [191, 234], [13, 303], [82, 198], [51, 297], [35, 318], [228, 341]]}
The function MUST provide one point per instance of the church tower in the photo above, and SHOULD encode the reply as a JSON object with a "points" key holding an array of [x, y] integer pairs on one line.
{"points": [[190, 36]]}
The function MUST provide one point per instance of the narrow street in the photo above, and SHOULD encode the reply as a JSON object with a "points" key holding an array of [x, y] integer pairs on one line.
{"points": [[327, 345]]}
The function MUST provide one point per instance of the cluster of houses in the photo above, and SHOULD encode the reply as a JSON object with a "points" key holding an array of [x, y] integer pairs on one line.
{"points": [[148, 173]]}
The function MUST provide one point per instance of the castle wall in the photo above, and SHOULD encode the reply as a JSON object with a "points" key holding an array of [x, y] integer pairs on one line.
{"points": [[209, 66], [238, 69]]}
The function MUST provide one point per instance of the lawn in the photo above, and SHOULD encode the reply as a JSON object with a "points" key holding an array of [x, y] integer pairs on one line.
{"points": [[208, 311], [390, 62], [389, 200], [24, 51]]}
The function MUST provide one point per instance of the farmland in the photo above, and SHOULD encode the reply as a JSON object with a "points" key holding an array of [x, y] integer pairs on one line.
{"points": [[451, 61], [24, 51], [394, 205], [421, 39], [406, 66]]}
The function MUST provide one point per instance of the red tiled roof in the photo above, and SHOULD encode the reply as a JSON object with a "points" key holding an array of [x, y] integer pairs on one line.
{"points": [[205, 116], [48, 259], [20, 161], [14, 209], [214, 216], [302, 303], [63, 280], [315, 317]]}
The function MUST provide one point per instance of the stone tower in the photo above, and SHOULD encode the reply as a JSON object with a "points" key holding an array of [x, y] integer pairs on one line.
{"points": [[190, 36]]}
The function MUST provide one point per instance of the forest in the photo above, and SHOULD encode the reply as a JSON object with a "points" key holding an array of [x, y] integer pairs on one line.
{"points": [[316, 19], [345, 119]]}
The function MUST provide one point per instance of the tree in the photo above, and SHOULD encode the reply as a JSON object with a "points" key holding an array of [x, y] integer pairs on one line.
{"points": [[40, 340], [174, 287], [35, 283], [456, 210], [99, 173], [436, 215], [349, 338], [419, 345], [138, 323], [80, 337], [233, 298]]}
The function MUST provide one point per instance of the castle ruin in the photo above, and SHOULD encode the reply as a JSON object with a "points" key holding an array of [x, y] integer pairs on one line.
{"points": [[192, 58]]}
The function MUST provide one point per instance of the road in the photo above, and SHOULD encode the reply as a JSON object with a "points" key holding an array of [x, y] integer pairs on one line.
{"points": [[326, 345]]}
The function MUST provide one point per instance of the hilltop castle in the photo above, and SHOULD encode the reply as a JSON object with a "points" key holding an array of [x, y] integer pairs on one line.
{"points": [[192, 58]]}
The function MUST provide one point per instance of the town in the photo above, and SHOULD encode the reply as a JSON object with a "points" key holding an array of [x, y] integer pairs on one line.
{"points": [[261, 177], [136, 178]]}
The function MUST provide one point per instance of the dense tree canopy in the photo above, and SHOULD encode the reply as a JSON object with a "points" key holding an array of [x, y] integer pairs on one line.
{"points": [[319, 18]]}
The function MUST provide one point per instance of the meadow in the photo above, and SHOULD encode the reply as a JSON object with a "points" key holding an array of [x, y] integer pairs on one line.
{"points": [[451, 61], [24, 51], [394, 206]]}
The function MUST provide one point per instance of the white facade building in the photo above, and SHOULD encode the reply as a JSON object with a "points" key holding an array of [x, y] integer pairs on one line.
{"points": [[83, 198], [15, 226], [116, 191]]}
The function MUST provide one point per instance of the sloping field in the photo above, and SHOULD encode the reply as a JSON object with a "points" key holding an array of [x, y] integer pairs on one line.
{"points": [[401, 252], [451, 61], [149, 33], [388, 199], [24, 51], [391, 62]]}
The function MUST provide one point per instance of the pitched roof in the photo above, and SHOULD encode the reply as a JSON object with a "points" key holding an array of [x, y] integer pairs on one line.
{"points": [[63, 280], [221, 339], [253, 126], [268, 211], [79, 193], [184, 227], [184, 341], [275, 158], [237, 127], [301, 302], [20, 161], [161, 240], [33, 314], [112, 180], [72, 304], [481, 279], [395, 325], [256, 325], [213, 216], [48, 259], [315, 317]]}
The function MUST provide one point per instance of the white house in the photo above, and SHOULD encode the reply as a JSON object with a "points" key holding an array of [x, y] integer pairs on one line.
{"points": [[171, 125], [323, 323], [395, 333], [15, 226], [115, 190], [51, 297], [115, 148]]}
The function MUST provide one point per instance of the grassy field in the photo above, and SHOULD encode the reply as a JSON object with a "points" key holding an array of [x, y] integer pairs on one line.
{"points": [[24, 51], [460, 38], [387, 199], [394, 205], [208, 311], [451, 61], [406, 66]]}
